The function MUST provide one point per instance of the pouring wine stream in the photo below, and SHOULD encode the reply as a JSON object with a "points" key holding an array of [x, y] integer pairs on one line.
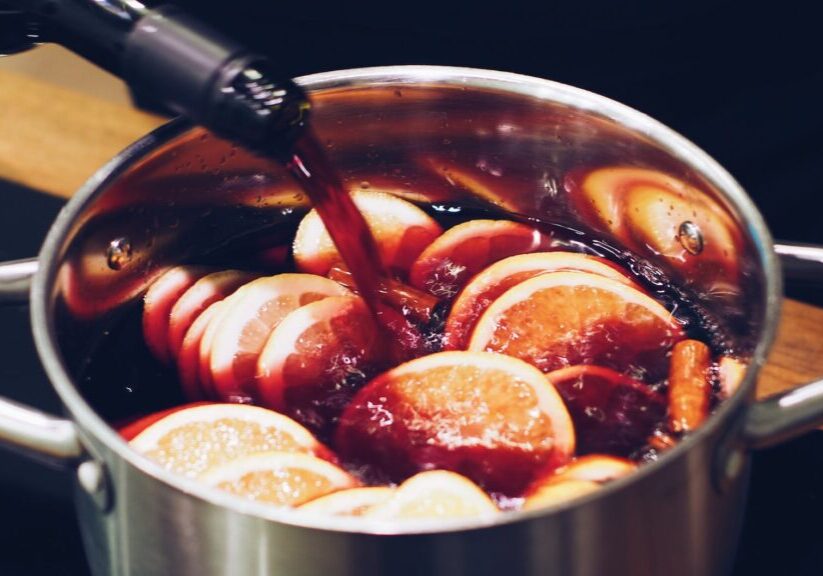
{"points": [[345, 224], [171, 61]]}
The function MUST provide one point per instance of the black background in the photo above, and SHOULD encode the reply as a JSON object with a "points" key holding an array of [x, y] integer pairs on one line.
{"points": [[743, 81]]}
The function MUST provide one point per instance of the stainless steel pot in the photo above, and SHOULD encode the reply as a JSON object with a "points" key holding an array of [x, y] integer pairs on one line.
{"points": [[456, 133]]}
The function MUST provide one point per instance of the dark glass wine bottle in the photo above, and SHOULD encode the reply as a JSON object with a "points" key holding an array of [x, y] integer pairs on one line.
{"points": [[170, 61]]}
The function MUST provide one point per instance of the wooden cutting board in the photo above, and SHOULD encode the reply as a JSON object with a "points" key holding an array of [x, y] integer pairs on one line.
{"points": [[53, 138]]}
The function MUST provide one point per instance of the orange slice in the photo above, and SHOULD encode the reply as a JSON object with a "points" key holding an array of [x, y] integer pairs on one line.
{"points": [[188, 356], [466, 249], [198, 297], [204, 351], [555, 493], [158, 302], [654, 218], [134, 426], [565, 318], [492, 282], [479, 184], [401, 230], [646, 210], [492, 418], [280, 478], [351, 502], [435, 494], [250, 316], [316, 358], [194, 439], [730, 372], [612, 412], [598, 468]]}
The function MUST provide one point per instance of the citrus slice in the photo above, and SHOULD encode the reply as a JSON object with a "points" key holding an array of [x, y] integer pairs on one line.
{"points": [[492, 418], [158, 302], [204, 352], [134, 426], [401, 230], [208, 289], [685, 231], [466, 249], [279, 478], [196, 438], [252, 313], [655, 213], [188, 356], [435, 494], [559, 319], [350, 502], [479, 182], [598, 468], [492, 282], [316, 358], [598, 195], [612, 412], [555, 493], [731, 373]]}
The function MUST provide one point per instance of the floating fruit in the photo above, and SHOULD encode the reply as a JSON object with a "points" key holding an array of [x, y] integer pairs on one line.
{"points": [[554, 493], [730, 373], [279, 478], [598, 468], [466, 249], [435, 494], [316, 358], [250, 316], [493, 281], [492, 418], [158, 302], [207, 290], [612, 413], [559, 319], [654, 213], [350, 502], [194, 438], [401, 230], [188, 357]]}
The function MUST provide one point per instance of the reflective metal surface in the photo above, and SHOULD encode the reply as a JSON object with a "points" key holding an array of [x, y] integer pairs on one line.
{"points": [[508, 142], [15, 280]]}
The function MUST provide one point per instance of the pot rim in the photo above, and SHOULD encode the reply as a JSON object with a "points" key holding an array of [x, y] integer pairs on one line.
{"points": [[669, 140]]}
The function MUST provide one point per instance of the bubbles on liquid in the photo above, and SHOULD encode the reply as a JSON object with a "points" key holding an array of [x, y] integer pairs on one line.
{"points": [[489, 167]]}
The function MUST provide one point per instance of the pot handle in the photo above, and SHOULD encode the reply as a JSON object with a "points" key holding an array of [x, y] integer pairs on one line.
{"points": [[33, 432], [39, 435], [791, 413], [15, 280]]}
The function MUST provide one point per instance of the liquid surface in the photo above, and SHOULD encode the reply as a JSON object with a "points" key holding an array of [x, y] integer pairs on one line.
{"points": [[550, 362]]}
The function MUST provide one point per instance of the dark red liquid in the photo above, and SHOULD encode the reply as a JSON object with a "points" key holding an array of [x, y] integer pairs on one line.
{"points": [[344, 222]]}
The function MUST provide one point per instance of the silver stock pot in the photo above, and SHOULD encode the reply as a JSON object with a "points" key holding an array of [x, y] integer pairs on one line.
{"points": [[498, 139]]}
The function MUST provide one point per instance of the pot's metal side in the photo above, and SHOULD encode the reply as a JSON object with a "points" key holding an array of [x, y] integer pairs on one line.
{"points": [[673, 523]]}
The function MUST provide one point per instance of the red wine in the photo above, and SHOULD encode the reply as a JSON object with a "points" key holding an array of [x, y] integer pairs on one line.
{"points": [[344, 222]]}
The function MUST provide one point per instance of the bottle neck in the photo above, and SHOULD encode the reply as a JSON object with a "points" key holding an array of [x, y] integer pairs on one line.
{"points": [[173, 62]]}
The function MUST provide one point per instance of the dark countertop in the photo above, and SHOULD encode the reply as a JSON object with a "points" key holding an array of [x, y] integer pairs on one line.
{"points": [[39, 533]]}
